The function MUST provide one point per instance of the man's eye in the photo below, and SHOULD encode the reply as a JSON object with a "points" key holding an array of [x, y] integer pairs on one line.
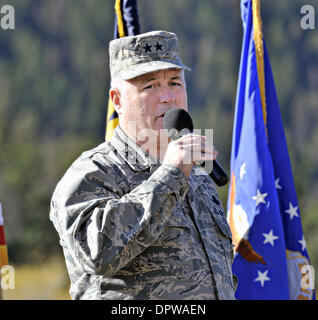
{"points": [[177, 84], [149, 87]]}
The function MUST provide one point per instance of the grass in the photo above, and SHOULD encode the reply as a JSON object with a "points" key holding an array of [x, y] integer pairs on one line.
{"points": [[47, 281]]}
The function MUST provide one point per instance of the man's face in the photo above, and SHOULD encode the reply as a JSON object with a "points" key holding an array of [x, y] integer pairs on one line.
{"points": [[144, 100]]}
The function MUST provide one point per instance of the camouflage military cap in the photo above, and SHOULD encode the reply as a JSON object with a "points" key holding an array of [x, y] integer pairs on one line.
{"points": [[133, 56]]}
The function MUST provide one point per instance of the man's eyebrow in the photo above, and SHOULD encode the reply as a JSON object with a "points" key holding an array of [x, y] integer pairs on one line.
{"points": [[153, 78], [176, 78], [148, 79]]}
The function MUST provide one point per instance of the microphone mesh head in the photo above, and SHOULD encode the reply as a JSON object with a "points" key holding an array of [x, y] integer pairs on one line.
{"points": [[176, 120]]}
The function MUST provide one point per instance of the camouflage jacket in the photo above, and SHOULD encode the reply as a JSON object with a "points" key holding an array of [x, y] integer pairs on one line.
{"points": [[134, 229]]}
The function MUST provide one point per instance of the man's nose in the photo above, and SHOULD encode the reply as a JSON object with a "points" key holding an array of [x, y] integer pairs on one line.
{"points": [[167, 95]]}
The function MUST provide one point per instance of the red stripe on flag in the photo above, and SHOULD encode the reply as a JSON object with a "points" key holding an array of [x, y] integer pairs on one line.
{"points": [[2, 238]]}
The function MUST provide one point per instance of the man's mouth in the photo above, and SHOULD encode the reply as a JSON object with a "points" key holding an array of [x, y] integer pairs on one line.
{"points": [[161, 115]]}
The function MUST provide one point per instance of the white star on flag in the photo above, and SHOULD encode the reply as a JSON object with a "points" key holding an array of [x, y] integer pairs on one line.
{"points": [[262, 277], [303, 243], [269, 237], [292, 211], [260, 197], [277, 185], [242, 170]]}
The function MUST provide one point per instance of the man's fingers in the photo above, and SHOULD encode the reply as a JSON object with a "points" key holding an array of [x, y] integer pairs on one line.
{"points": [[204, 148], [188, 151], [199, 156], [196, 142], [191, 136]]}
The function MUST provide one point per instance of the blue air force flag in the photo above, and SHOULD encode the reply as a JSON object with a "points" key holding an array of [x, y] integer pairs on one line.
{"points": [[271, 258]]}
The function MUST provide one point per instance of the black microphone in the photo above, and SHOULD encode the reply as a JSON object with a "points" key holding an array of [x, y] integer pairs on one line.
{"points": [[177, 120]]}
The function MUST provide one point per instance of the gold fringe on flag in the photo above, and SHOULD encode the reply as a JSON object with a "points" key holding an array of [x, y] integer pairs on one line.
{"points": [[120, 23], [259, 48]]}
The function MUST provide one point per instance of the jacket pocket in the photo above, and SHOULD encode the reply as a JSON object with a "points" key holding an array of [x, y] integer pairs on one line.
{"points": [[225, 239], [170, 257], [221, 222]]}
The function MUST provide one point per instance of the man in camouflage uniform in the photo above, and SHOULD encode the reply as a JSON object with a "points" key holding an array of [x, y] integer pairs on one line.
{"points": [[134, 220]]}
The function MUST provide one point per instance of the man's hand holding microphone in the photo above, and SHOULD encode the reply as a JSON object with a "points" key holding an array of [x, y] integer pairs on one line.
{"points": [[187, 150]]}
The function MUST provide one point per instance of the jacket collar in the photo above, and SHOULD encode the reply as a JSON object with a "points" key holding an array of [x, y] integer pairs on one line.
{"points": [[197, 178], [131, 152], [139, 160]]}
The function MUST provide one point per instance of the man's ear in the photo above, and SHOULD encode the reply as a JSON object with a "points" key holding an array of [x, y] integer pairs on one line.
{"points": [[114, 95]]}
